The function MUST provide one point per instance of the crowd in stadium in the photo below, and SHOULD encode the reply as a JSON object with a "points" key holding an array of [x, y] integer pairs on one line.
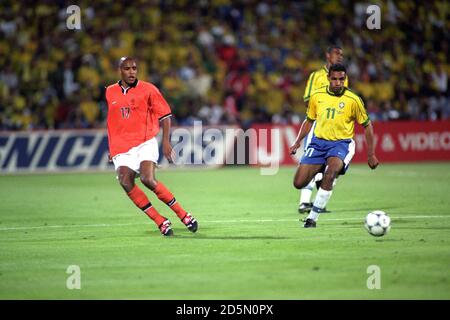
{"points": [[220, 61]]}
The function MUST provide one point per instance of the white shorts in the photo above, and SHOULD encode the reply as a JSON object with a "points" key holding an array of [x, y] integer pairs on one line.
{"points": [[147, 151]]}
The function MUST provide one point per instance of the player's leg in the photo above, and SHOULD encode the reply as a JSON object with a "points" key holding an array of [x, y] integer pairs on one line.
{"points": [[305, 203], [148, 154], [338, 155], [126, 177], [148, 178], [318, 181], [332, 170], [334, 166], [304, 174]]}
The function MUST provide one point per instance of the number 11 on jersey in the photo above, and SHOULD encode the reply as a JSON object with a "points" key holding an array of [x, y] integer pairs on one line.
{"points": [[330, 111]]}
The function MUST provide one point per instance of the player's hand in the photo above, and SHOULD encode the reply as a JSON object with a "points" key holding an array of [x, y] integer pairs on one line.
{"points": [[168, 152], [373, 162], [293, 149]]}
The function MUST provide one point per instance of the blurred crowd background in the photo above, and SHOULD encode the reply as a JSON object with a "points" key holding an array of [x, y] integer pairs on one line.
{"points": [[219, 61]]}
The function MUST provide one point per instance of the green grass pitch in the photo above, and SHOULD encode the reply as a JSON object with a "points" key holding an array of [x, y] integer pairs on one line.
{"points": [[250, 243]]}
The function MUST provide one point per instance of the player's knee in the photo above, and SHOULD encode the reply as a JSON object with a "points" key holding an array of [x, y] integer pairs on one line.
{"points": [[126, 182], [149, 181], [330, 175], [328, 178], [299, 184]]}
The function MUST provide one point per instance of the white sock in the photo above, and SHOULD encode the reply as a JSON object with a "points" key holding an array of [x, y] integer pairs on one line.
{"points": [[320, 202], [306, 192], [318, 176]]}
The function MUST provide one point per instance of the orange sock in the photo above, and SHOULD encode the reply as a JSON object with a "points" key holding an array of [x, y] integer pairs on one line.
{"points": [[167, 197], [154, 215], [141, 201]]}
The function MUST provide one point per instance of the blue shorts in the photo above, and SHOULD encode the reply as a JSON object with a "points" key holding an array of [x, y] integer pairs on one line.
{"points": [[319, 150]]}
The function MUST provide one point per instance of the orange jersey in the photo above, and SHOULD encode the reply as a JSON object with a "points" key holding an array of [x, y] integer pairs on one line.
{"points": [[133, 115]]}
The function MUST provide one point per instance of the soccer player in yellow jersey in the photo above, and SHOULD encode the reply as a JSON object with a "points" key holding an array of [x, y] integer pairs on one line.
{"points": [[335, 109], [319, 78], [316, 80]]}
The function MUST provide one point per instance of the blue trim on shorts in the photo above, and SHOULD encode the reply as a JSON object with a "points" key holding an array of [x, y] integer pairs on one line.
{"points": [[309, 136]]}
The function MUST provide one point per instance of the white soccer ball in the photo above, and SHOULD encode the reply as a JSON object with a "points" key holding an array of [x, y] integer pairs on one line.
{"points": [[377, 223]]}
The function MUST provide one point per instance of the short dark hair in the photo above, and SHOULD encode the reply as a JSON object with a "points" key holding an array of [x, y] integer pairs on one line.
{"points": [[125, 58], [337, 67], [333, 46]]}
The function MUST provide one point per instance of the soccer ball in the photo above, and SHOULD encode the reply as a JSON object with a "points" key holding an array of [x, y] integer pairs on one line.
{"points": [[377, 223]]}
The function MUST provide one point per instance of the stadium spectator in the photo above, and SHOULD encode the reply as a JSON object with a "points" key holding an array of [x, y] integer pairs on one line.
{"points": [[185, 45]]}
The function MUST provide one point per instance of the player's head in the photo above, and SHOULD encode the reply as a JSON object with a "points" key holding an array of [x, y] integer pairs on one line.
{"points": [[128, 69], [336, 75], [334, 55]]}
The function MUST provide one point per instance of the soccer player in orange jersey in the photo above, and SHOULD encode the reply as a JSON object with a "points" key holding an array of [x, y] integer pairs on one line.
{"points": [[135, 110]]}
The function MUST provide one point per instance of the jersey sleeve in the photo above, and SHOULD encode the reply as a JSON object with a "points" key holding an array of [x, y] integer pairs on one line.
{"points": [[311, 112], [160, 107], [309, 87], [107, 96], [361, 114]]}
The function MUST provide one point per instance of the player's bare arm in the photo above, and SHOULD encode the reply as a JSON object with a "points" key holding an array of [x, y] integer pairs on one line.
{"points": [[372, 159], [167, 148], [304, 130]]}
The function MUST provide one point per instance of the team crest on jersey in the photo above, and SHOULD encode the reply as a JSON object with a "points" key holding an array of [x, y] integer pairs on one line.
{"points": [[341, 105], [125, 112]]}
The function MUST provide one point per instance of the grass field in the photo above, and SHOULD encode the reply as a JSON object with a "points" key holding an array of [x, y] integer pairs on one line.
{"points": [[250, 243]]}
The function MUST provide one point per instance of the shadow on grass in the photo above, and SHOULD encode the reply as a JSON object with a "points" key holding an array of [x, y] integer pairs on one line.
{"points": [[387, 239]]}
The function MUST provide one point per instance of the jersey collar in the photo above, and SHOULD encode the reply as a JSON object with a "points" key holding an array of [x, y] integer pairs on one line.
{"points": [[125, 90], [335, 94]]}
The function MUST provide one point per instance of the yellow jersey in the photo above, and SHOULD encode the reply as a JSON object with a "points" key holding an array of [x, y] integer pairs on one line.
{"points": [[335, 114], [316, 80]]}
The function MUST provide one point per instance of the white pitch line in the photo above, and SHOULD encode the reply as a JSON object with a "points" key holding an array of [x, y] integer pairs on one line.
{"points": [[69, 226], [322, 219], [205, 222]]}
